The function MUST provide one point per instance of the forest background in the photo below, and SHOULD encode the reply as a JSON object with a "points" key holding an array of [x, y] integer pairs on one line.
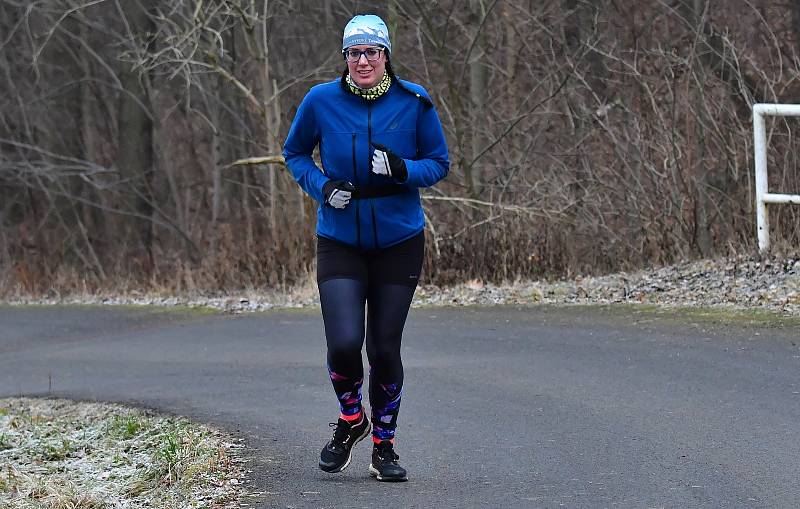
{"points": [[139, 139]]}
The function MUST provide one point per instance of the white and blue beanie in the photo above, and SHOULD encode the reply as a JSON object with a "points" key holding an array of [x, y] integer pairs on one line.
{"points": [[366, 29]]}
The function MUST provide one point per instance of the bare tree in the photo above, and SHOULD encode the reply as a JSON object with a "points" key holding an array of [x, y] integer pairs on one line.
{"points": [[585, 135]]}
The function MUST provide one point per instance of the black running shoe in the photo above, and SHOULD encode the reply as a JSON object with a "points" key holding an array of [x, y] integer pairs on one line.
{"points": [[384, 465], [335, 456]]}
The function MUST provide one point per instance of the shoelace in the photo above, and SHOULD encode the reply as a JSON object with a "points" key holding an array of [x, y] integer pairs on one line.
{"points": [[340, 433], [386, 453]]}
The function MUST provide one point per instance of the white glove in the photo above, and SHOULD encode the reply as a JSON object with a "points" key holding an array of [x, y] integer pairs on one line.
{"points": [[380, 163], [385, 162], [337, 193], [339, 199]]}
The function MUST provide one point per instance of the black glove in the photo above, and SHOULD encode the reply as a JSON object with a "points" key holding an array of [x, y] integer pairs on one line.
{"points": [[337, 193], [386, 162]]}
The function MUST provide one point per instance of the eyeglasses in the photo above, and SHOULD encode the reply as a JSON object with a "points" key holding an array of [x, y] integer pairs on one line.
{"points": [[354, 55]]}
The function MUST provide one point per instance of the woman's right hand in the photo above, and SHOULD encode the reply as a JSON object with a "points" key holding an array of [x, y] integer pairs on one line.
{"points": [[337, 193]]}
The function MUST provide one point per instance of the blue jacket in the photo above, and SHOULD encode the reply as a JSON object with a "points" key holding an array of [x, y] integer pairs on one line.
{"points": [[344, 125]]}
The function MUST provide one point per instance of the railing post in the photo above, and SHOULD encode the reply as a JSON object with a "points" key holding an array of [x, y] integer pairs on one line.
{"points": [[760, 146]]}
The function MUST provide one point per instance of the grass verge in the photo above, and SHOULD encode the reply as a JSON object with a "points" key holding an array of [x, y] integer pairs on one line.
{"points": [[710, 315], [62, 454]]}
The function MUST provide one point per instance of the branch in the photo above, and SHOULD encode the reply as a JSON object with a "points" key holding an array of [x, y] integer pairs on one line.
{"points": [[529, 211], [517, 121], [241, 86], [53, 29], [40, 150], [257, 160]]}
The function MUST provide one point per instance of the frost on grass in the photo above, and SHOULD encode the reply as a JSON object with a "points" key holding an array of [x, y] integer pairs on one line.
{"points": [[61, 454]]}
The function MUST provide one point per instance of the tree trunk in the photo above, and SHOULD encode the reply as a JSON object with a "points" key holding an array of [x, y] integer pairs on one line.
{"points": [[135, 156], [89, 218], [694, 11], [215, 113], [795, 7], [478, 77], [512, 53]]}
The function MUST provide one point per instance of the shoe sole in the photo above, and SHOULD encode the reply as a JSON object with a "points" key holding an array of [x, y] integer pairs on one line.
{"points": [[350, 454], [377, 475]]}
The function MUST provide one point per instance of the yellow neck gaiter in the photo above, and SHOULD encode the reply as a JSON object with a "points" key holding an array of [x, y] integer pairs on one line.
{"points": [[370, 94]]}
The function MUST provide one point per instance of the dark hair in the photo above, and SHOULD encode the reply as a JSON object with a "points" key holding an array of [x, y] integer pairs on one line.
{"points": [[389, 69]]}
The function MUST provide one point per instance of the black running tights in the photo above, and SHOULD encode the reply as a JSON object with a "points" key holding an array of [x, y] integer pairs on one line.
{"points": [[387, 296]]}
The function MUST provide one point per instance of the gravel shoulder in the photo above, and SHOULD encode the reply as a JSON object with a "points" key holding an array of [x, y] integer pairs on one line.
{"points": [[770, 285]]}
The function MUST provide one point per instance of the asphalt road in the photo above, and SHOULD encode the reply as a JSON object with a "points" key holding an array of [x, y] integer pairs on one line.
{"points": [[503, 407]]}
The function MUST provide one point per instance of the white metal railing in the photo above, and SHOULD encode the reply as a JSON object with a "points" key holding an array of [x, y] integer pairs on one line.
{"points": [[763, 196]]}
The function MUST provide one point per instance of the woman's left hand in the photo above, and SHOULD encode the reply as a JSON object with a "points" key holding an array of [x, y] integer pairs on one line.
{"points": [[385, 162]]}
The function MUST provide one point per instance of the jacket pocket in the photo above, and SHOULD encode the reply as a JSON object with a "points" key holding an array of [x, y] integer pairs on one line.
{"points": [[334, 151], [398, 216]]}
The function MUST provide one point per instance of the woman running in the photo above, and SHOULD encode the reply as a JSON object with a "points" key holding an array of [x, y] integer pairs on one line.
{"points": [[379, 140]]}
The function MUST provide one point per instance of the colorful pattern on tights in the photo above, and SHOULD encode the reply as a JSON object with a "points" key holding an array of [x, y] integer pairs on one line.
{"points": [[348, 391], [385, 403]]}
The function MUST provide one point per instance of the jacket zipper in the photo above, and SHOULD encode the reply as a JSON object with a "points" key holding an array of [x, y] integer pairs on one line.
{"points": [[355, 202], [369, 158]]}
